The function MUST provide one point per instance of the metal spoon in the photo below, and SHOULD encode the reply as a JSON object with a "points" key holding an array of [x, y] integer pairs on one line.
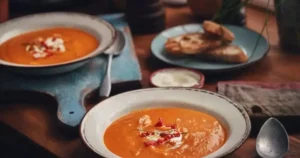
{"points": [[272, 140], [115, 49]]}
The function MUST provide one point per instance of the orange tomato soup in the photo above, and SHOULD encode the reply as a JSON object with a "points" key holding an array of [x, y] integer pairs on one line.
{"points": [[166, 133], [48, 46]]}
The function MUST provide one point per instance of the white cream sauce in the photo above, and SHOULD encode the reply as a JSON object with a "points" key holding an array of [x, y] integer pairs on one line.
{"points": [[176, 140], [46, 46], [175, 78]]}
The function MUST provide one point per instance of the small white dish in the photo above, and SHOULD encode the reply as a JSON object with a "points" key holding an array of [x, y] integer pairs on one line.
{"points": [[97, 27], [177, 77], [232, 115]]}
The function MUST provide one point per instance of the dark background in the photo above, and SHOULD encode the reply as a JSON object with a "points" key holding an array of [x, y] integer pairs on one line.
{"points": [[23, 7]]}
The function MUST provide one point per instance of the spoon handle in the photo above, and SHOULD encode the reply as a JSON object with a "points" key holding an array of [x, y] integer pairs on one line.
{"points": [[105, 87]]}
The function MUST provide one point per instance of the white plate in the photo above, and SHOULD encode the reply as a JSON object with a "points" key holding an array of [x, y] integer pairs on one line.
{"points": [[232, 115]]}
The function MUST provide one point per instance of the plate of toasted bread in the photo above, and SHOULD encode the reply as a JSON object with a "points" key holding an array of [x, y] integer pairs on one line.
{"points": [[210, 46]]}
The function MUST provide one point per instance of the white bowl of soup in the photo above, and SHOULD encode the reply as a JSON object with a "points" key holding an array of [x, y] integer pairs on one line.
{"points": [[165, 122], [52, 43]]}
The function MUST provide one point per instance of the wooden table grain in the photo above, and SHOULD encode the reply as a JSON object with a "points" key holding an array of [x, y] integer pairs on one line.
{"points": [[37, 121]]}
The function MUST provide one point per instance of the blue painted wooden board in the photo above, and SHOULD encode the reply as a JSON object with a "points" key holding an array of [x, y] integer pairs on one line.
{"points": [[71, 88]]}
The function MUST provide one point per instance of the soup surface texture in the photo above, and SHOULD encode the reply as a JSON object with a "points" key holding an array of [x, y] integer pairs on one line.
{"points": [[48, 46], [166, 133]]}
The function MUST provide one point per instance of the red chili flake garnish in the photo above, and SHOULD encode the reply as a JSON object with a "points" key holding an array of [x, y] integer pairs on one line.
{"points": [[150, 143], [171, 136], [177, 134], [160, 141], [159, 123], [166, 138], [43, 43], [145, 134], [152, 133], [49, 54], [163, 134]]}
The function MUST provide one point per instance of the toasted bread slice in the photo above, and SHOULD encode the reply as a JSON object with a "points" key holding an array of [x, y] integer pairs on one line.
{"points": [[191, 44], [213, 28], [227, 53]]}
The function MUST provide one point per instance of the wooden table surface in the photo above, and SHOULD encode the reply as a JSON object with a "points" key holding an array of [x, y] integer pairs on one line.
{"points": [[37, 120]]}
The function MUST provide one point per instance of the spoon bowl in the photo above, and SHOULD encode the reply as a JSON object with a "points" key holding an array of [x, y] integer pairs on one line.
{"points": [[118, 45], [272, 140], [115, 49]]}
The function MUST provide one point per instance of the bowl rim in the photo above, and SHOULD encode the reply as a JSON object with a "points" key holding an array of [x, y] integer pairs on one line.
{"points": [[238, 106], [70, 62], [199, 85]]}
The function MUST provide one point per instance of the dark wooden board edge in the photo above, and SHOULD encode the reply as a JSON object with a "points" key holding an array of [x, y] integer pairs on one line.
{"points": [[34, 97]]}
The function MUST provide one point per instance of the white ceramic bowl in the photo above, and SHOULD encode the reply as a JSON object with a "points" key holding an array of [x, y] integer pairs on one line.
{"points": [[97, 27], [232, 115]]}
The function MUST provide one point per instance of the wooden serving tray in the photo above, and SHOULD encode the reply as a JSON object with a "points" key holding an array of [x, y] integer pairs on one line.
{"points": [[71, 89]]}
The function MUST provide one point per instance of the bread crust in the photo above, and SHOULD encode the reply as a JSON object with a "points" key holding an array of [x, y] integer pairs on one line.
{"points": [[213, 28], [212, 44], [191, 44], [227, 53]]}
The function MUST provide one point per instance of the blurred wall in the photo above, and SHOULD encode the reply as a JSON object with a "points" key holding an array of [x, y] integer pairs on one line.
{"points": [[94, 7]]}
